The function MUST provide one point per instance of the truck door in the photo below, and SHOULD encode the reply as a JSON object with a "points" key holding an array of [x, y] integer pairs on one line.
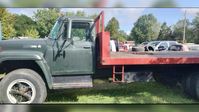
{"points": [[76, 56]]}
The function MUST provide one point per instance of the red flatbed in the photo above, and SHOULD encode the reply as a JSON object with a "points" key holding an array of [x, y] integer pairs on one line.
{"points": [[130, 58], [142, 58]]}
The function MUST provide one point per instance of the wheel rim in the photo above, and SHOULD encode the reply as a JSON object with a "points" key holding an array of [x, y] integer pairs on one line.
{"points": [[21, 91]]}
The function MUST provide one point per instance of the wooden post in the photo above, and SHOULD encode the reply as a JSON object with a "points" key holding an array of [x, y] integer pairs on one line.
{"points": [[184, 32]]}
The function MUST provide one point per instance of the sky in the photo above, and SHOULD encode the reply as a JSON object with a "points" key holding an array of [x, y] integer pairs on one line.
{"points": [[126, 16]]}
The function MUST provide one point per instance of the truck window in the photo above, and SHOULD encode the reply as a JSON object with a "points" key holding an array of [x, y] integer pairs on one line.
{"points": [[80, 31]]}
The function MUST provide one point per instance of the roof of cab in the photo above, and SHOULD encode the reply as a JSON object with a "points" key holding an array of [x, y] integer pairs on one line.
{"points": [[76, 18]]}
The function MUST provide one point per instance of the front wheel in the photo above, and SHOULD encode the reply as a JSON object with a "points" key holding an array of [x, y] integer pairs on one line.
{"points": [[23, 86]]}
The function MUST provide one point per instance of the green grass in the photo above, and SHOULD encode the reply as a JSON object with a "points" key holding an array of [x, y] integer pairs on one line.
{"points": [[105, 92]]}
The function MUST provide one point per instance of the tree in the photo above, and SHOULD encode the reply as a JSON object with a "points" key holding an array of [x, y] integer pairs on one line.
{"points": [[7, 19], [146, 28], [178, 30], [32, 32], [23, 23], [113, 28], [195, 30], [165, 32], [122, 36], [78, 13], [93, 16], [45, 19]]}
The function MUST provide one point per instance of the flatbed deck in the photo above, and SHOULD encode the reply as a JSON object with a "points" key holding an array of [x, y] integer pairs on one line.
{"points": [[138, 58], [145, 58], [161, 54]]}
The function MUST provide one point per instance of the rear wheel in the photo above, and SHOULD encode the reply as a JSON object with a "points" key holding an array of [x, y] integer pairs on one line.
{"points": [[186, 85], [194, 85], [23, 86]]}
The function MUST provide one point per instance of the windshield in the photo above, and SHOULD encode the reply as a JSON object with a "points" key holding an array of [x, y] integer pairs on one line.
{"points": [[55, 30], [172, 43]]}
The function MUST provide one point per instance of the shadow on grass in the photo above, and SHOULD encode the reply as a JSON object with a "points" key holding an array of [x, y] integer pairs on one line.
{"points": [[137, 92]]}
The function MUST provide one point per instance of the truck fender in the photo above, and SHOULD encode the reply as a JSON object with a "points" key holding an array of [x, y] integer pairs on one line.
{"points": [[20, 55], [29, 55], [46, 71]]}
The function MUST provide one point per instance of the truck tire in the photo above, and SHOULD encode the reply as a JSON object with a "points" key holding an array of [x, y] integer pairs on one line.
{"points": [[186, 85], [23, 86], [170, 80], [194, 85]]}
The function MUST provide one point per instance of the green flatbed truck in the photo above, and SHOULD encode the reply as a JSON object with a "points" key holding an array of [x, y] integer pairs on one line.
{"points": [[73, 54]]}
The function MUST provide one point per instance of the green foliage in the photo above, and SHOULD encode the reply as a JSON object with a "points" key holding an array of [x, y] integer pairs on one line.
{"points": [[23, 23], [165, 32], [105, 92], [179, 29], [81, 14], [32, 32], [93, 16], [78, 14], [7, 19], [195, 29], [45, 19], [113, 27], [122, 36], [146, 28], [78, 33]]}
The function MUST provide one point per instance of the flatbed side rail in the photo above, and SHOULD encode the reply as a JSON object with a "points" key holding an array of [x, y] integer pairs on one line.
{"points": [[104, 38], [99, 23]]}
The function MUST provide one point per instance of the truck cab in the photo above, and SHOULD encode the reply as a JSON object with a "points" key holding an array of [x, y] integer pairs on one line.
{"points": [[64, 59], [72, 41]]}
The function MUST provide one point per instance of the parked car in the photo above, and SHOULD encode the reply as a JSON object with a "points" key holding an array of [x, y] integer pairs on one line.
{"points": [[140, 47], [178, 47], [160, 45], [192, 46]]}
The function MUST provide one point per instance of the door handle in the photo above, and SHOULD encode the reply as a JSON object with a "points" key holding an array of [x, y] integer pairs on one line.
{"points": [[87, 47]]}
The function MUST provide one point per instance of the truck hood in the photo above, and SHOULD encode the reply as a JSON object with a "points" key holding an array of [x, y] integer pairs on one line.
{"points": [[23, 44]]}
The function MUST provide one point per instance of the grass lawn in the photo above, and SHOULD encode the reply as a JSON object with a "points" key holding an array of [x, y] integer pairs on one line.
{"points": [[105, 92]]}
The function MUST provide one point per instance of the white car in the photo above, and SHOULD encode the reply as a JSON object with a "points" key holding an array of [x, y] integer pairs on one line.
{"points": [[159, 45]]}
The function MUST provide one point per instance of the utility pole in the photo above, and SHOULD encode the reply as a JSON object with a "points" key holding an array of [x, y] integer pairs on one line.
{"points": [[185, 24]]}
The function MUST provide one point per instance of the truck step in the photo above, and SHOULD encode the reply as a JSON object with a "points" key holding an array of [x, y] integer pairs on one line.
{"points": [[65, 82]]}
